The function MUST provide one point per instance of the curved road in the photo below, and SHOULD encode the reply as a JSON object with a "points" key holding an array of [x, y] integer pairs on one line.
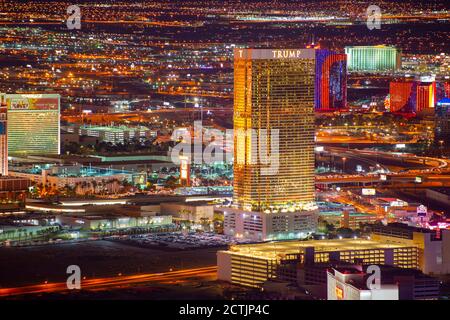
{"points": [[204, 273]]}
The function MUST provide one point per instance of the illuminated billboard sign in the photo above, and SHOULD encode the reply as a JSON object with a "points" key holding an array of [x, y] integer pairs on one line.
{"points": [[339, 293], [422, 211], [368, 192], [20, 103], [184, 170], [398, 203], [319, 149]]}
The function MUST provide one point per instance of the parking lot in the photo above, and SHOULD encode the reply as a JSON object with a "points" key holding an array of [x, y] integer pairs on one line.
{"points": [[182, 241]]}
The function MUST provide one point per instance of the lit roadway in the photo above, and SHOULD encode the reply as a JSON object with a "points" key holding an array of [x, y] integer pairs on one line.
{"points": [[373, 156], [359, 140], [154, 23], [394, 181], [432, 170], [98, 284]]}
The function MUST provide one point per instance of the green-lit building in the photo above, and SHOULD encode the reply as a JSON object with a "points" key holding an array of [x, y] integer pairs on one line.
{"points": [[33, 123], [373, 58]]}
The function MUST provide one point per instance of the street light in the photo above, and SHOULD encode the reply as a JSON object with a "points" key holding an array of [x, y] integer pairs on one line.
{"points": [[343, 164]]}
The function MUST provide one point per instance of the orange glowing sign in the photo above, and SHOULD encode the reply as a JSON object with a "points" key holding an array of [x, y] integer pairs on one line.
{"points": [[339, 293], [185, 170]]}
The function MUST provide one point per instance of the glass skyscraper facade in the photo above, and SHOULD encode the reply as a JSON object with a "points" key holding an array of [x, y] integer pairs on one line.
{"points": [[372, 58], [33, 123], [274, 93]]}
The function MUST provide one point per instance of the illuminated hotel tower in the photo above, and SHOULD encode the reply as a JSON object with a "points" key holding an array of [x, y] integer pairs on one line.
{"points": [[412, 96], [331, 81], [3, 140], [401, 96], [425, 94], [379, 58], [33, 123], [273, 120]]}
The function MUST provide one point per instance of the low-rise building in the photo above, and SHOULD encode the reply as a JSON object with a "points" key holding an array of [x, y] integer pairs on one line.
{"points": [[23, 231], [117, 134], [346, 283], [107, 222], [433, 248], [312, 276], [261, 226], [253, 264], [190, 211], [347, 219], [85, 179], [13, 192], [350, 283]]}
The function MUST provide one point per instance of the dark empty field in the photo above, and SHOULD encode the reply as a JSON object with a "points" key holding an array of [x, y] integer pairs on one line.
{"points": [[34, 265]]}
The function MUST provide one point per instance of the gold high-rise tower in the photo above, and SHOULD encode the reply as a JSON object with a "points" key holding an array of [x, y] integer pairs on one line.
{"points": [[274, 92]]}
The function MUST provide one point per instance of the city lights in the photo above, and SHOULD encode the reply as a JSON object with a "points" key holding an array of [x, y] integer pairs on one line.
{"points": [[251, 152]]}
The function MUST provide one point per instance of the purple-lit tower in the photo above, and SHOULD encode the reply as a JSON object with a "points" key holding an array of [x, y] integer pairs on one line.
{"points": [[331, 81]]}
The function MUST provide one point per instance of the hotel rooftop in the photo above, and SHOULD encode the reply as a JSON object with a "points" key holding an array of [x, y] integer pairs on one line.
{"points": [[275, 249], [252, 264]]}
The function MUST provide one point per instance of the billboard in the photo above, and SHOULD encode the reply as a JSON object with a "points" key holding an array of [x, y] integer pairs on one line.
{"points": [[368, 192], [422, 211], [19, 102]]}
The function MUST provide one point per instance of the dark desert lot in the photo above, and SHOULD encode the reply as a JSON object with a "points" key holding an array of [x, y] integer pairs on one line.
{"points": [[34, 265]]}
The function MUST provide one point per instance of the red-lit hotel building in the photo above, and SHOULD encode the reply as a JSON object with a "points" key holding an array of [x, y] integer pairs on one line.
{"points": [[425, 96], [412, 96], [400, 95], [331, 81]]}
